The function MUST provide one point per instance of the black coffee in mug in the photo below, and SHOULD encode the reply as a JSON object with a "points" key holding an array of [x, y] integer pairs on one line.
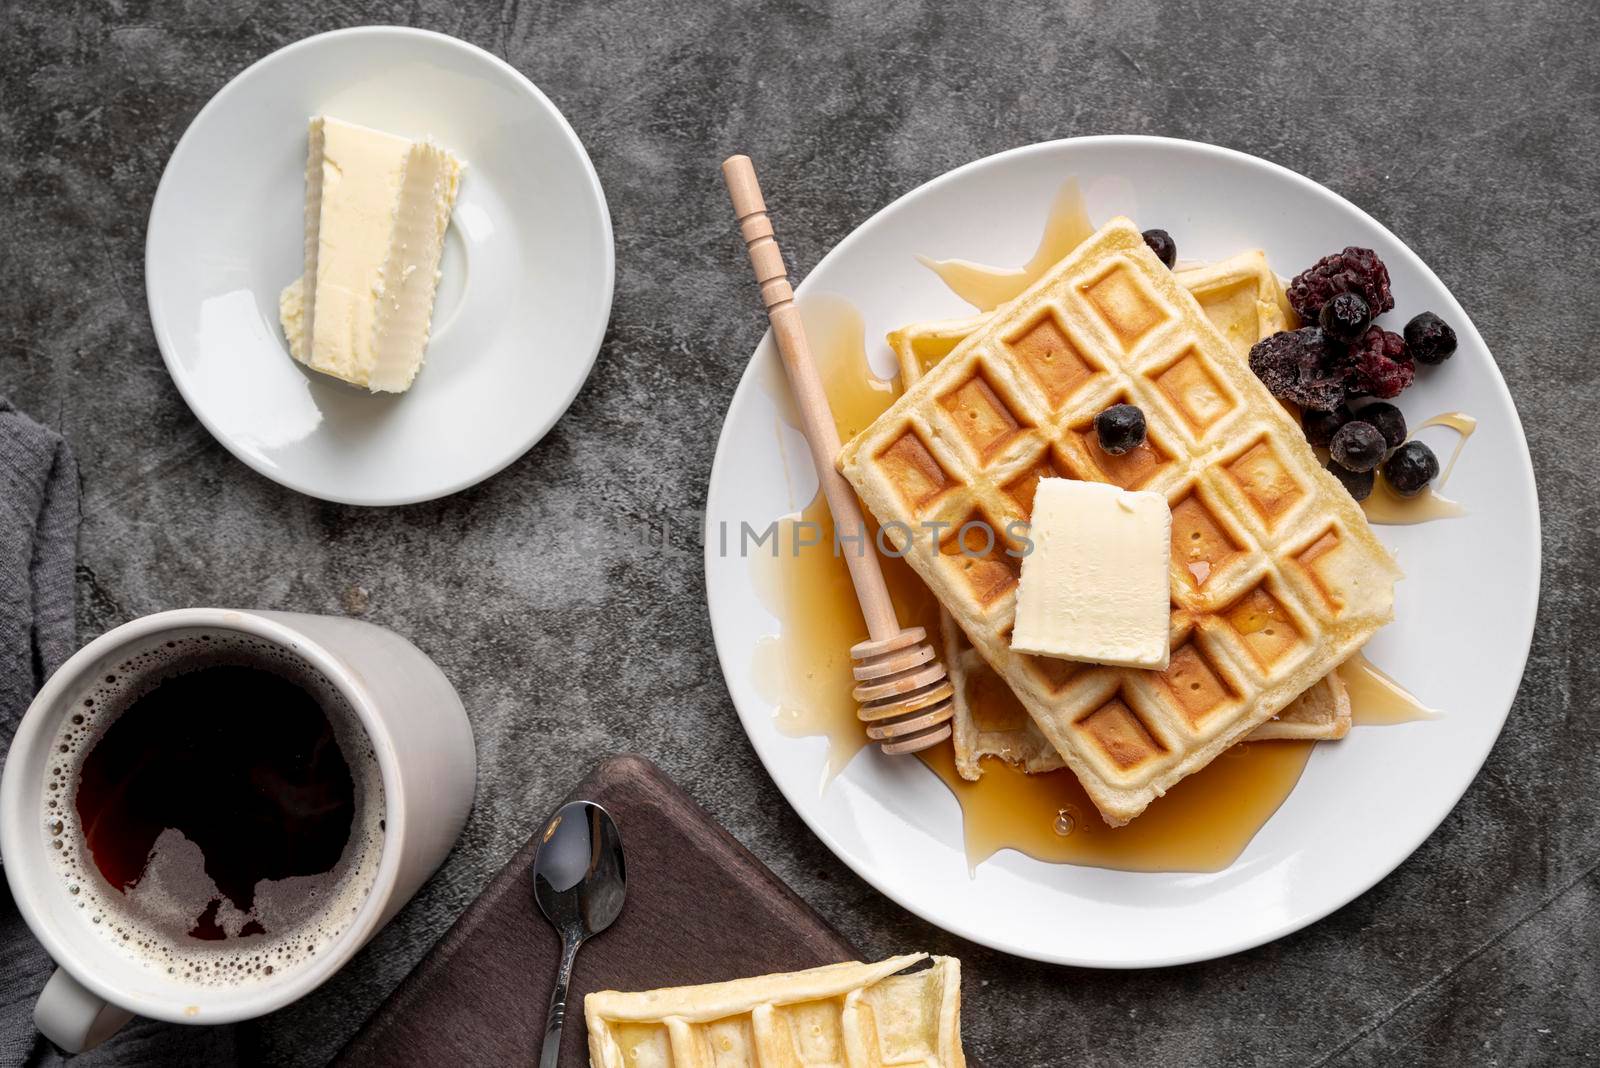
{"points": [[239, 760], [217, 805]]}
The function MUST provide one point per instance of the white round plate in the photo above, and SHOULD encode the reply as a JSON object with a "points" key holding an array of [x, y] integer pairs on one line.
{"points": [[527, 273], [1364, 804]]}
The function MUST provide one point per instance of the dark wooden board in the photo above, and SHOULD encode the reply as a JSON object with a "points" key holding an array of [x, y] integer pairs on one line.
{"points": [[701, 908]]}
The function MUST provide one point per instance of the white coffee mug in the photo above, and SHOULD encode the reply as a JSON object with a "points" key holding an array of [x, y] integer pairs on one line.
{"points": [[423, 744]]}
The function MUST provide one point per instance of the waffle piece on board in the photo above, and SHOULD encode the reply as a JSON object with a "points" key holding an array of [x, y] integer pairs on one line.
{"points": [[834, 1015], [1277, 577], [1246, 302]]}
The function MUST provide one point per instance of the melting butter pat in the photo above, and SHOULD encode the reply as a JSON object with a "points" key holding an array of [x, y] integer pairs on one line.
{"points": [[377, 207], [1095, 586]]}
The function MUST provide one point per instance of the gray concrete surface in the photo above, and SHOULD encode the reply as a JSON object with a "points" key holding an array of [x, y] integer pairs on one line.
{"points": [[1472, 129]]}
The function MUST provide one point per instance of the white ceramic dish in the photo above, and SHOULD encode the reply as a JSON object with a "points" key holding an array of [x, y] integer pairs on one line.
{"points": [[522, 308], [1465, 612]]}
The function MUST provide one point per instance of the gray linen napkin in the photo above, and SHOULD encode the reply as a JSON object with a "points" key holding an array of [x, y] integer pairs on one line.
{"points": [[38, 553], [38, 560]]}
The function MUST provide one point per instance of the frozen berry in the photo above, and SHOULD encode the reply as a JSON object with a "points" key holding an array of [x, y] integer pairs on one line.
{"points": [[1162, 245], [1121, 428], [1429, 339], [1358, 447], [1345, 317], [1355, 270], [1379, 365], [1359, 483], [1321, 426], [1411, 468], [1390, 421], [1300, 366]]}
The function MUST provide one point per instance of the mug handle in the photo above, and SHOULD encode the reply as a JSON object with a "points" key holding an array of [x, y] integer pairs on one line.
{"points": [[73, 1017]]}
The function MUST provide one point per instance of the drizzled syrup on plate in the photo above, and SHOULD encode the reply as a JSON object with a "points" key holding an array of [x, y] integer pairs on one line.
{"points": [[986, 288], [1376, 699], [1388, 508]]}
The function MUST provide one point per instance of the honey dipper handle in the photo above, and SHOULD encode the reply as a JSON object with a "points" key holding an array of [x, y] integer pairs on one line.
{"points": [[816, 418]]}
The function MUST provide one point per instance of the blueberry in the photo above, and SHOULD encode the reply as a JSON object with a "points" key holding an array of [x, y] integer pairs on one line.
{"points": [[1390, 421], [1411, 468], [1321, 426], [1121, 428], [1359, 483], [1358, 447], [1345, 317], [1429, 339], [1162, 245]]}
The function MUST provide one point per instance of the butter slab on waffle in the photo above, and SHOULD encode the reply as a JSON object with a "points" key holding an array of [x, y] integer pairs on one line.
{"points": [[1276, 576], [840, 1014], [1246, 302]]}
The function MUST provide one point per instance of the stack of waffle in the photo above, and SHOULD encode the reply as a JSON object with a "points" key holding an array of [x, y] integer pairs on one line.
{"points": [[835, 1015], [1245, 301], [1276, 577]]}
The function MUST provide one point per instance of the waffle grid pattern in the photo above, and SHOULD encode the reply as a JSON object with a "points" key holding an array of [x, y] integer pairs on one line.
{"points": [[1276, 577], [1245, 301]]}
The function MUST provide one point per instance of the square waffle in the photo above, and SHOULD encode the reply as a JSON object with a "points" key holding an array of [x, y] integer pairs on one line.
{"points": [[1246, 302], [1276, 577], [840, 1014]]}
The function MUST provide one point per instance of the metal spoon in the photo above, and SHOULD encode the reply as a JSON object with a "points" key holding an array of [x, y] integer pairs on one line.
{"points": [[579, 882]]}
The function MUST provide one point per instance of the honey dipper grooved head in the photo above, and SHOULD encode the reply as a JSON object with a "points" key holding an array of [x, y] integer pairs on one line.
{"points": [[906, 698]]}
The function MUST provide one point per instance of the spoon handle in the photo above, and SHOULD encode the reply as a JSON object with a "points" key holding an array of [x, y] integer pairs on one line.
{"points": [[558, 1004]]}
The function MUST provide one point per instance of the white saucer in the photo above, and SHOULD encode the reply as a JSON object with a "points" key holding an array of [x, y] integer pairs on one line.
{"points": [[522, 308], [1464, 613]]}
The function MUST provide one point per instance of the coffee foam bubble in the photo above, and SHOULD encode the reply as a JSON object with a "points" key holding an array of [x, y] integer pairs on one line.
{"points": [[301, 915]]}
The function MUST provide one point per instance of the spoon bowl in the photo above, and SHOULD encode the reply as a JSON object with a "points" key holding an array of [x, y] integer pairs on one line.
{"points": [[578, 873]]}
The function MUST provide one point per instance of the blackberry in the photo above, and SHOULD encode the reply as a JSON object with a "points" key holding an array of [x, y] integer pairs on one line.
{"points": [[1389, 420], [1321, 426], [1345, 317], [1430, 339], [1411, 468], [1355, 270], [1358, 483], [1358, 447], [1300, 366], [1378, 364], [1121, 428], [1162, 245]]}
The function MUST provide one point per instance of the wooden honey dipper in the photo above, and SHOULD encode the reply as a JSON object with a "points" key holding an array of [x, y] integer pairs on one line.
{"points": [[901, 684]]}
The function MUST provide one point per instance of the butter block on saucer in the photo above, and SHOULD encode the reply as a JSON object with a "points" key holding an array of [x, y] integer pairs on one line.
{"points": [[377, 207], [1095, 586]]}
